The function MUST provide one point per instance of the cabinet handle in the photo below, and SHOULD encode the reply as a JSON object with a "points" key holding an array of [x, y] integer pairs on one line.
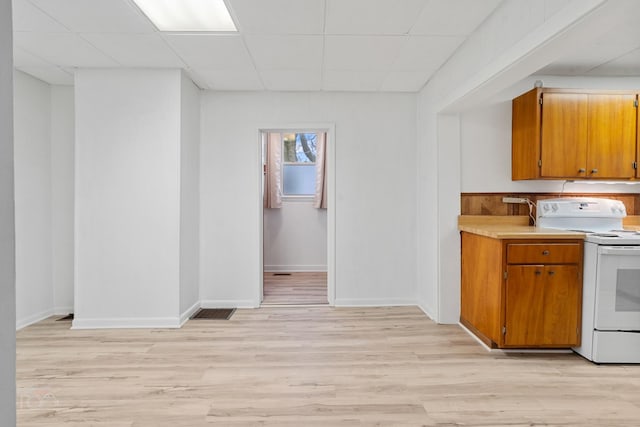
{"points": [[551, 273], [538, 272], [594, 170], [545, 252], [582, 170]]}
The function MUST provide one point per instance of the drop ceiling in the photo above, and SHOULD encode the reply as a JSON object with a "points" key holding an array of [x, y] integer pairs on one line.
{"points": [[615, 54], [298, 45]]}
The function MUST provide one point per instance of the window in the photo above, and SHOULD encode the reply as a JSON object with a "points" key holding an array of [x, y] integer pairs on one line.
{"points": [[299, 152]]}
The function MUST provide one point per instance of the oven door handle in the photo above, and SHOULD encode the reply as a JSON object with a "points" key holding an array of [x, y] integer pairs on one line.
{"points": [[620, 250]]}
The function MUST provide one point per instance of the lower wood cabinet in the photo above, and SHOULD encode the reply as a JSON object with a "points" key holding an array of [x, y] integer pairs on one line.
{"points": [[522, 293]]}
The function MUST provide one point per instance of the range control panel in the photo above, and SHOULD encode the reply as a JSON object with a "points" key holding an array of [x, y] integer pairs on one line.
{"points": [[571, 207]]}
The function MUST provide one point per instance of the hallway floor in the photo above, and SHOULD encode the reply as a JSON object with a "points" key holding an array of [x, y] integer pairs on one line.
{"points": [[295, 288]]}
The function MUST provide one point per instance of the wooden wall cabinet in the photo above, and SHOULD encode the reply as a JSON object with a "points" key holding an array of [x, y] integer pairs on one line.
{"points": [[569, 134], [522, 293]]}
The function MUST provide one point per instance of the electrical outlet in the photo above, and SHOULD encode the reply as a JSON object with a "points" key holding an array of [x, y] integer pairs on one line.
{"points": [[521, 200]]}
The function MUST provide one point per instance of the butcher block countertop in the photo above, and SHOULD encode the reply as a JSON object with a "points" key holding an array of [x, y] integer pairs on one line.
{"points": [[510, 227]]}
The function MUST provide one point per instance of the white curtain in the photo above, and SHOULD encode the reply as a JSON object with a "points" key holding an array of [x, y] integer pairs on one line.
{"points": [[320, 199], [272, 197]]}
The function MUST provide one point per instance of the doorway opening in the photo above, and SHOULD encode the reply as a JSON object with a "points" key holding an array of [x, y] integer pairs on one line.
{"points": [[296, 216]]}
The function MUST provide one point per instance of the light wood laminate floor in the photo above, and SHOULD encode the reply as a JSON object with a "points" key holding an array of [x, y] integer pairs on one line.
{"points": [[308, 366], [295, 288]]}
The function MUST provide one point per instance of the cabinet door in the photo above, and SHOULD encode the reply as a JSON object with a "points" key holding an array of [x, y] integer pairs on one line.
{"points": [[564, 135], [562, 305], [524, 308], [612, 136], [543, 305]]}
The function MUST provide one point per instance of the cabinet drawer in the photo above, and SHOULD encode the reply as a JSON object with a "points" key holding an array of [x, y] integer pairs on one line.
{"points": [[543, 253]]}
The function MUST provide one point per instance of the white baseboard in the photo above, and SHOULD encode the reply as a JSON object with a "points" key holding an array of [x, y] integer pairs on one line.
{"points": [[34, 318], [126, 323], [212, 303], [374, 302], [189, 312], [294, 268], [427, 311]]}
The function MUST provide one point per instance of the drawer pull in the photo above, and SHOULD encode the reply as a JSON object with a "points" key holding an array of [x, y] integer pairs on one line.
{"points": [[545, 252], [551, 273], [538, 272]]}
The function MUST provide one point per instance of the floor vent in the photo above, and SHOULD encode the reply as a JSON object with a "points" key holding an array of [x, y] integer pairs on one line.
{"points": [[67, 317], [214, 313]]}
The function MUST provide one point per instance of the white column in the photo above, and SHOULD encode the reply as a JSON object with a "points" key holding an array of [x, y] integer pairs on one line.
{"points": [[127, 242]]}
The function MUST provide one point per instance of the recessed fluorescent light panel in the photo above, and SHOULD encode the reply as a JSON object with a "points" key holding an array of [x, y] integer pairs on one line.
{"points": [[188, 15]]}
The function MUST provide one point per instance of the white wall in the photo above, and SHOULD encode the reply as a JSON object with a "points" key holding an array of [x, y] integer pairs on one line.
{"points": [[127, 246], [375, 191], [189, 197], [486, 140], [7, 238], [44, 137], [32, 152], [62, 205], [295, 237]]}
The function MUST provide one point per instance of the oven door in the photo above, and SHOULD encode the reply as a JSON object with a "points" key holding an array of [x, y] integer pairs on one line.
{"points": [[618, 289]]}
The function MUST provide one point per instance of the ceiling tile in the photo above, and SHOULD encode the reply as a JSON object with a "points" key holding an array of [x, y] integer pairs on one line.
{"points": [[22, 58], [551, 7], [136, 50], [286, 52], [52, 75], [426, 52], [404, 81], [230, 79], [298, 80], [27, 17], [453, 17], [625, 65], [605, 55], [564, 69], [359, 81], [587, 58], [97, 16], [63, 49], [211, 50], [361, 17], [375, 53], [278, 16]]}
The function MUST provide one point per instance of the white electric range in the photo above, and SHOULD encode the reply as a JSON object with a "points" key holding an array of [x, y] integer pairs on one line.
{"points": [[611, 279]]}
